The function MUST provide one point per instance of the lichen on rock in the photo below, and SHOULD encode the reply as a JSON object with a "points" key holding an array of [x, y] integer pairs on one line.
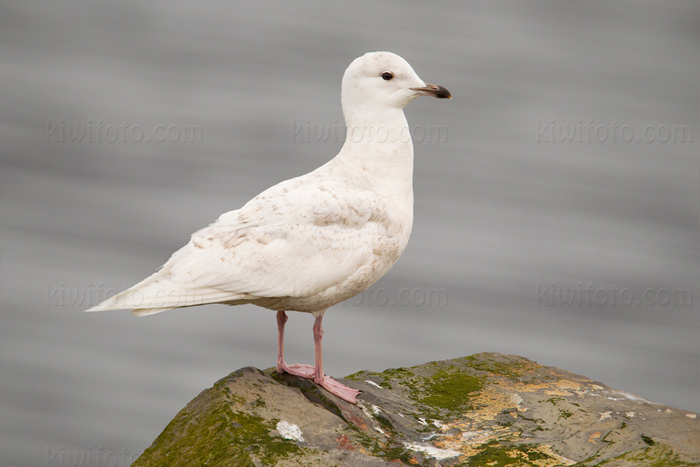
{"points": [[484, 410]]}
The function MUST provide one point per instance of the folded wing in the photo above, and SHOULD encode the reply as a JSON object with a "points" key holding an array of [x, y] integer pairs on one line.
{"points": [[287, 242]]}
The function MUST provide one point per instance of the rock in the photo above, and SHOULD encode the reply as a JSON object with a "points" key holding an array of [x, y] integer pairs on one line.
{"points": [[485, 410]]}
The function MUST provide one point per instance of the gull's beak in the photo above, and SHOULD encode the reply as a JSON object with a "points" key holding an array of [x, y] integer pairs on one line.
{"points": [[434, 90]]}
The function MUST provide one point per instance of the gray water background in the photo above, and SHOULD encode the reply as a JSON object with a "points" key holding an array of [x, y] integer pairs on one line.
{"points": [[499, 212]]}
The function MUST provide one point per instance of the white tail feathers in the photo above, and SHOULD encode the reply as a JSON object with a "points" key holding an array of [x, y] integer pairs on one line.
{"points": [[155, 297]]}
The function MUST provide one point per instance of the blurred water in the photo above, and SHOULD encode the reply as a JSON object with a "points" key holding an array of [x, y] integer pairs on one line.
{"points": [[502, 216]]}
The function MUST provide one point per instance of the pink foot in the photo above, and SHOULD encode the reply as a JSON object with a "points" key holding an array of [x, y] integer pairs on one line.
{"points": [[296, 369], [307, 371], [340, 390], [328, 383]]}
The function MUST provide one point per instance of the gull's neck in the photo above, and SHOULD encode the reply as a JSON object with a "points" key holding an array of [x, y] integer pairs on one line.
{"points": [[379, 144]]}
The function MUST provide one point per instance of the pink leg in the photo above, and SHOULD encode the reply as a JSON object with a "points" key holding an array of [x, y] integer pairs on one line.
{"points": [[318, 335], [303, 371], [331, 385], [307, 371], [281, 321]]}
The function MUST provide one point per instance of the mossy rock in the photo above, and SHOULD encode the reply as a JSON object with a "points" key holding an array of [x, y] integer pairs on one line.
{"points": [[483, 410], [214, 429]]}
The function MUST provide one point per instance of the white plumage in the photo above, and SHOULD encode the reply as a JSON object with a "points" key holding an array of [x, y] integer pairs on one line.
{"points": [[313, 241], [302, 245]]}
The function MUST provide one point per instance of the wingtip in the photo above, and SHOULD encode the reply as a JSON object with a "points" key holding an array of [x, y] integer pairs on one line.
{"points": [[100, 307]]}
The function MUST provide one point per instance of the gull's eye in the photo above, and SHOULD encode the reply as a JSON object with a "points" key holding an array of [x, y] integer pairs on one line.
{"points": [[387, 75]]}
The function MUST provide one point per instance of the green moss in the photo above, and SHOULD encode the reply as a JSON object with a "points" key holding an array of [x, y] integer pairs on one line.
{"points": [[537, 456], [396, 451], [585, 462], [391, 450], [397, 373], [386, 424], [364, 375], [647, 440], [658, 455], [498, 455], [524, 417], [210, 431], [450, 389], [404, 378], [359, 376], [565, 413], [447, 389], [254, 434], [486, 363], [554, 400], [234, 398]]}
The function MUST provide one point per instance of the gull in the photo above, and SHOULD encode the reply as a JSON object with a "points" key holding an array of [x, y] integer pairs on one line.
{"points": [[313, 241]]}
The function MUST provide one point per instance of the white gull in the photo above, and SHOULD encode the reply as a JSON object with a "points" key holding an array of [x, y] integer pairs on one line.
{"points": [[313, 241]]}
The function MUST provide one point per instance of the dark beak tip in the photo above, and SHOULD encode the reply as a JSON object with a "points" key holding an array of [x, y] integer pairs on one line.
{"points": [[442, 93], [435, 91]]}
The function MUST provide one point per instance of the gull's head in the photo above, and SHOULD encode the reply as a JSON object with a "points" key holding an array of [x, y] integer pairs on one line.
{"points": [[383, 80]]}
